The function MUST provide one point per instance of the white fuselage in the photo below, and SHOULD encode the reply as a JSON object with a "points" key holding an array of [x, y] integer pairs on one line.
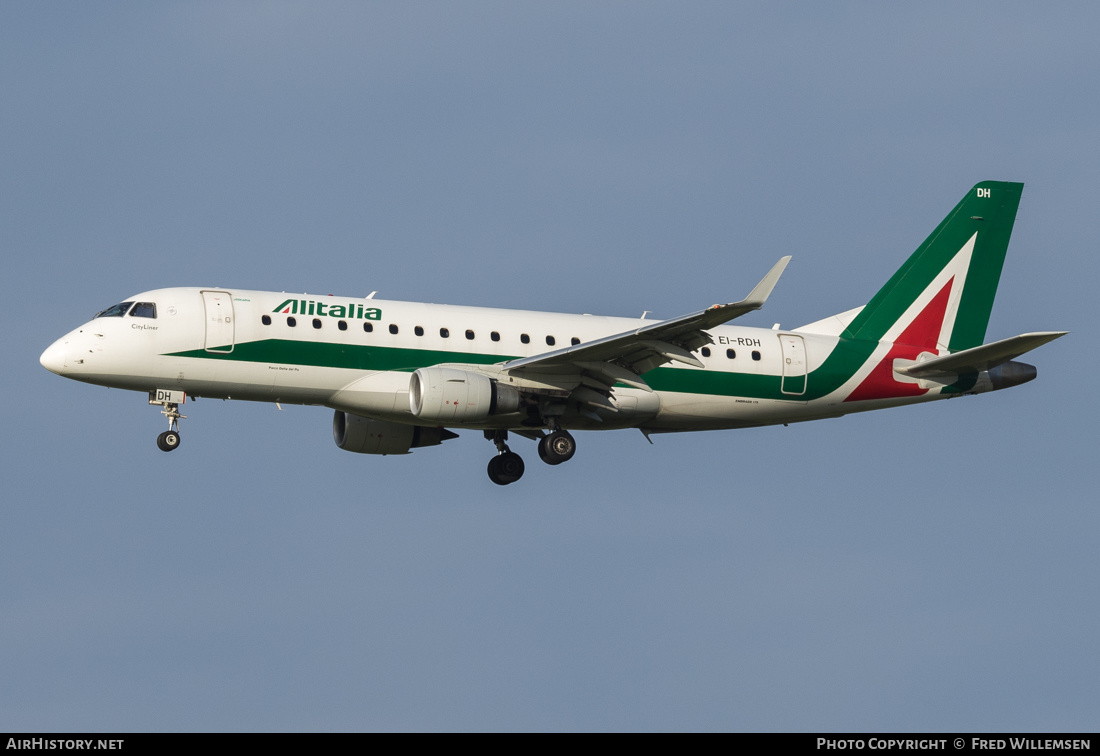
{"points": [[358, 354]]}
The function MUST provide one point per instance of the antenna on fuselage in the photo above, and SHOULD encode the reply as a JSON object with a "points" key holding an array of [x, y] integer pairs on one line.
{"points": [[371, 295]]}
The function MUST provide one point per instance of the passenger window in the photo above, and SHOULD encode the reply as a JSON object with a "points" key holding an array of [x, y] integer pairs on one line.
{"points": [[470, 335], [730, 353], [290, 321], [117, 311], [342, 325], [418, 331], [266, 320], [574, 341], [393, 328], [756, 355], [368, 327], [316, 322], [144, 310], [444, 333], [523, 337], [705, 351], [550, 341], [494, 336]]}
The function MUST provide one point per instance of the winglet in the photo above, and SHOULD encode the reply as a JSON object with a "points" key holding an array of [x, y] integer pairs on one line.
{"points": [[719, 314], [764, 288]]}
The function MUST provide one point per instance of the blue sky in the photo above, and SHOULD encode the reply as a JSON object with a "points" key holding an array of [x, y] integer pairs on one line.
{"points": [[929, 568]]}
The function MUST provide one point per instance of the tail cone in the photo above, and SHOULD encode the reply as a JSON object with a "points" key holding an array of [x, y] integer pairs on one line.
{"points": [[1011, 374]]}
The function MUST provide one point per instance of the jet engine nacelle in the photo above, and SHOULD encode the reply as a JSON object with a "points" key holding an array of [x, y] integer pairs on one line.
{"points": [[366, 436], [448, 395]]}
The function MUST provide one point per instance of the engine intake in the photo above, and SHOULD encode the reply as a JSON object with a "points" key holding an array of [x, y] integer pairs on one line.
{"points": [[449, 395]]}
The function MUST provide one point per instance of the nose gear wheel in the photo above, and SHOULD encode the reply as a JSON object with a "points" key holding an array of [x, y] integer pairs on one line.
{"points": [[168, 440]]}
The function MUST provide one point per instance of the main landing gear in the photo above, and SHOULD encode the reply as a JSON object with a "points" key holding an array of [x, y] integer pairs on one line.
{"points": [[507, 466], [557, 447]]}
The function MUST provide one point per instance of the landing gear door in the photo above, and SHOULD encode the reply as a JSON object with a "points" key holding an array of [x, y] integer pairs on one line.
{"points": [[219, 321], [794, 364]]}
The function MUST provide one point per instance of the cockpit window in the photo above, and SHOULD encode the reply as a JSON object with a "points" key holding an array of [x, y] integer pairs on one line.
{"points": [[114, 312], [144, 310]]}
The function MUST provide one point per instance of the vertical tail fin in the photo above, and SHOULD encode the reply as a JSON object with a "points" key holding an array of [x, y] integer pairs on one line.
{"points": [[942, 296]]}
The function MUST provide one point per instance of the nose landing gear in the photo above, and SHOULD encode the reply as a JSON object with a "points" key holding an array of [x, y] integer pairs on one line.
{"points": [[170, 401]]}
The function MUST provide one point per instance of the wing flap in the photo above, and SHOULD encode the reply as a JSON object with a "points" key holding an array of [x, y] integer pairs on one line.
{"points": [[611, 373]]}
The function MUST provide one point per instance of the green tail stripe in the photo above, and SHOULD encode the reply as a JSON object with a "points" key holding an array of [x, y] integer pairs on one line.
{"points": [[989, 209]]}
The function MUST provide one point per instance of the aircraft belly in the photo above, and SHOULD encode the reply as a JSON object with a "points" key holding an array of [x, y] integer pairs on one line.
{"points": [[248, 381], [294, 384], [680, 411]]}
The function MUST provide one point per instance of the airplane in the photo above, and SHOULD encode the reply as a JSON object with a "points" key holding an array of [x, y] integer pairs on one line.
{"points": [[400, 375]]}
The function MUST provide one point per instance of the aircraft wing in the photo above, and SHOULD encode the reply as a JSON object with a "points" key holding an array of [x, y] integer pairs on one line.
{"points": [[985, 357], [624, 357]]}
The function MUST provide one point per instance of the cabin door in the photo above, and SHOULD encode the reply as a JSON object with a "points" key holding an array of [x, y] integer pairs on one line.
{"points": [[794, 364], [219, 321]]}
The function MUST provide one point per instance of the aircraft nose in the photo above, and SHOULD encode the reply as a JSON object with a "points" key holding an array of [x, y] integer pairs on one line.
{"points": [[53, 359]]}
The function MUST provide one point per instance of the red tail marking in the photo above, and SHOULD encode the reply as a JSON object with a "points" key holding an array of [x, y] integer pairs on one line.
{"points": [[920, 336]]}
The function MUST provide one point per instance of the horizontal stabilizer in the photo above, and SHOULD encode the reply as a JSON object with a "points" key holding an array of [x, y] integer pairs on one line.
{"points": [[982, 358]]}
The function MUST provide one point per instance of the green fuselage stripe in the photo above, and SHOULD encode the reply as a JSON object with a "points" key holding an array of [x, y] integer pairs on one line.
{"points": [[347, 356], [841, 364]]}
